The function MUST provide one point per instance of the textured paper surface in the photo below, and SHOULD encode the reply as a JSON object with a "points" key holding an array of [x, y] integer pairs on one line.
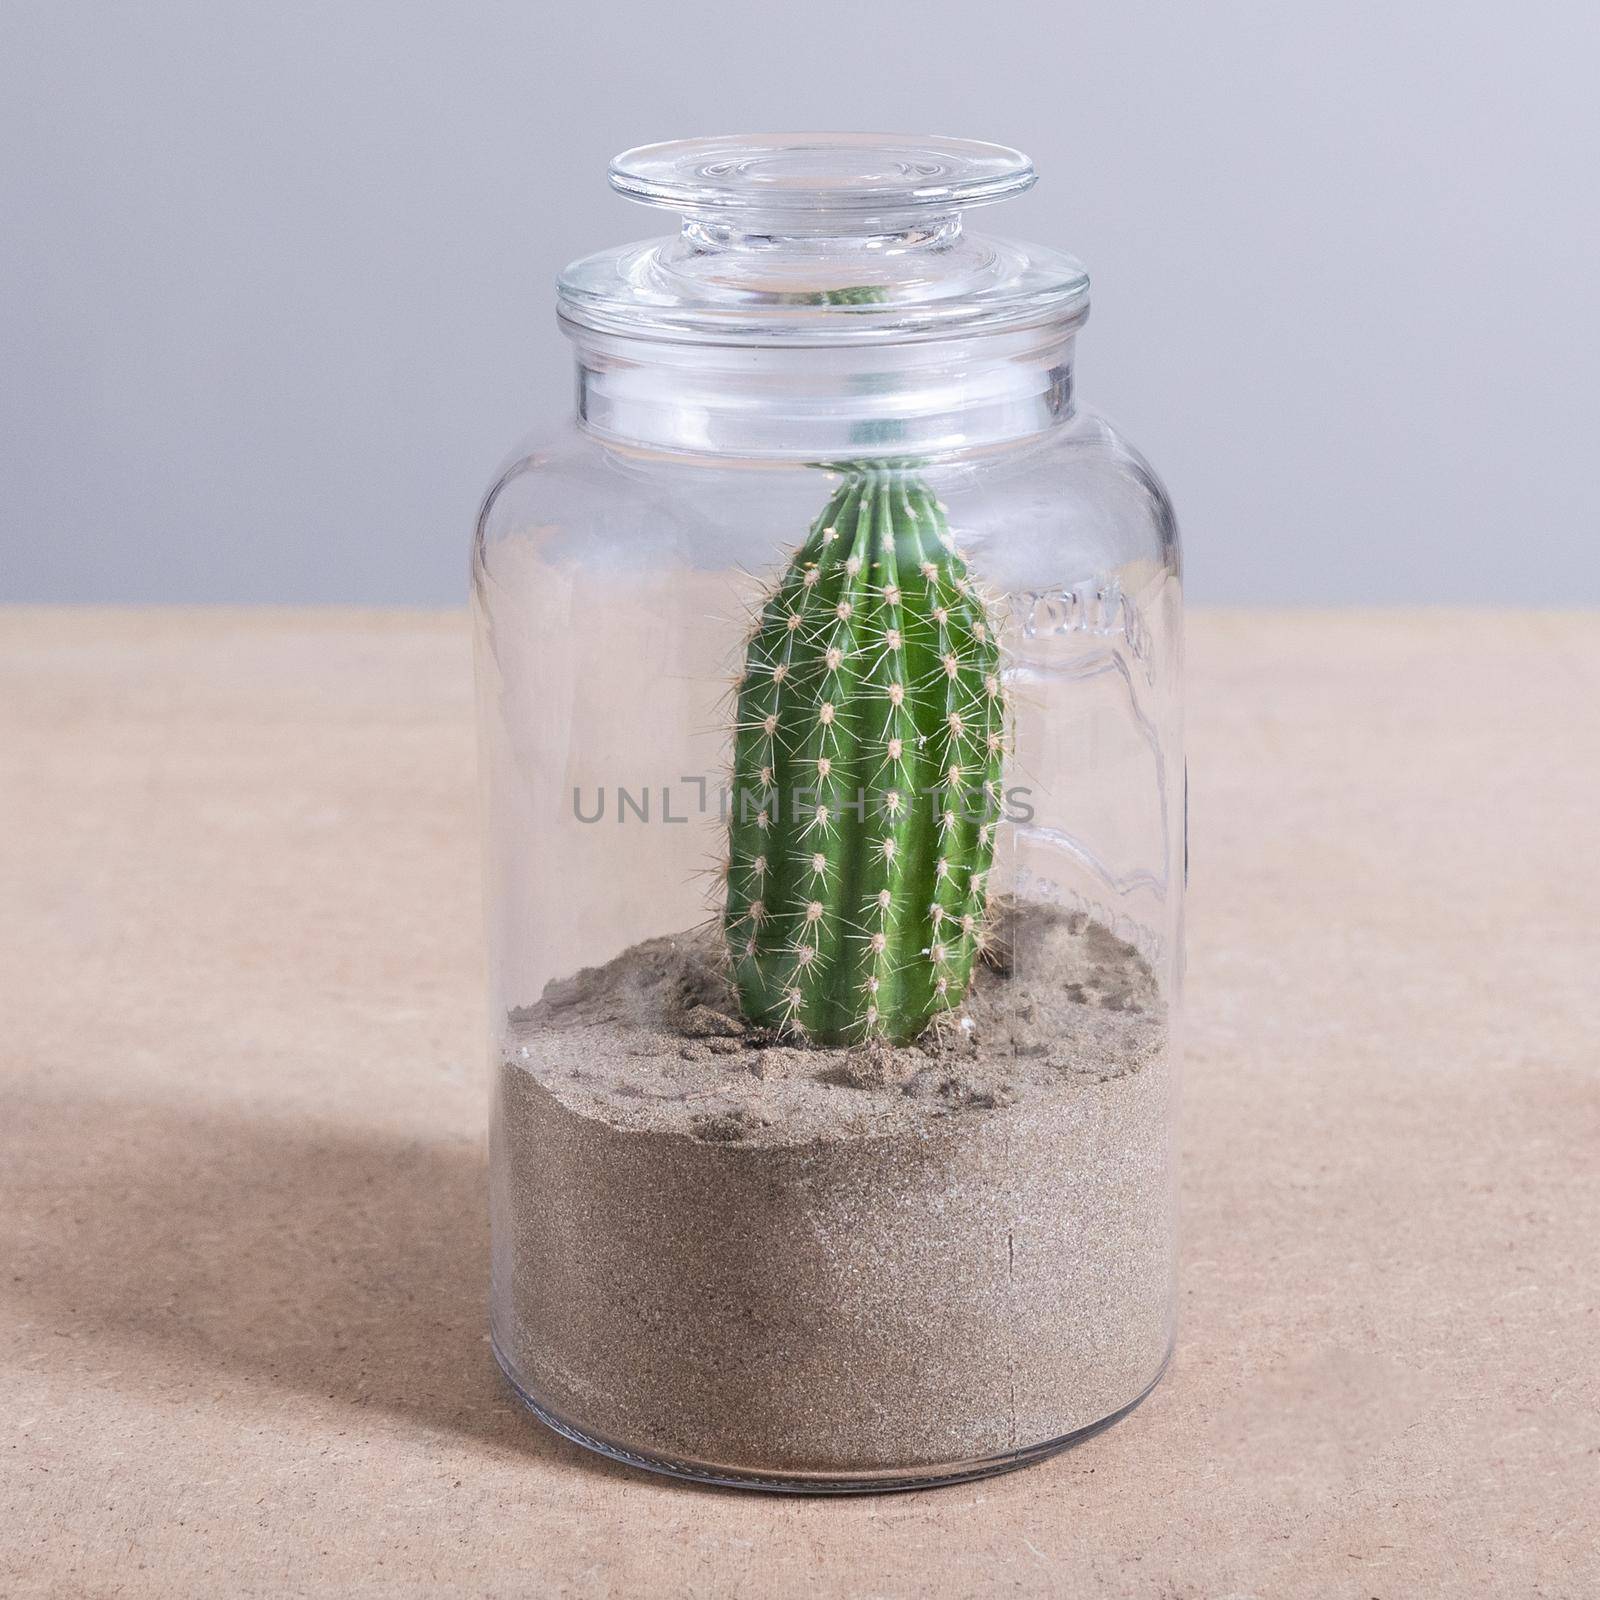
{"points": [[242, 1239]]}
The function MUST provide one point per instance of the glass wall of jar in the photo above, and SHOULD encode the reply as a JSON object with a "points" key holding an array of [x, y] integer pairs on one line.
{"points": [[829, 672]]}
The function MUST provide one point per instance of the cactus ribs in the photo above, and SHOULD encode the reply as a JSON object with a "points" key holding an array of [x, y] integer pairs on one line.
{"points": [[866, 785]]}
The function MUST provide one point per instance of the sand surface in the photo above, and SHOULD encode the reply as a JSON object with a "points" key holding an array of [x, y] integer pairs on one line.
{"points": [[718, 1247]]}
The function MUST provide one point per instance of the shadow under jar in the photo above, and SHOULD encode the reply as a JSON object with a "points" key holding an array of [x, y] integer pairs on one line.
{"points": [[829, 671]]}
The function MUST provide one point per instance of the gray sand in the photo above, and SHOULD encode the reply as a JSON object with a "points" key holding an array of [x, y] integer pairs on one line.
{"points": [[722, 1249]]}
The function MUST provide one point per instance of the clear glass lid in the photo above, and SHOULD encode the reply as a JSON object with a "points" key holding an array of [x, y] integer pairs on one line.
{"points": [[820, 239]]}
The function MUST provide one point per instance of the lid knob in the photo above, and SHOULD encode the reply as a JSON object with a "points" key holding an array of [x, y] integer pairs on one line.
{"points": [[821, 182]]}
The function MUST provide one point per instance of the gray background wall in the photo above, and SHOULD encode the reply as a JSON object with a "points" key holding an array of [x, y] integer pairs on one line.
{"points": [[277, 277]]}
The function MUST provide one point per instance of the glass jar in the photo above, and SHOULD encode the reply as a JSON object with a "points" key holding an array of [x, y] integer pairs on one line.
{"points": [[829, 690]]}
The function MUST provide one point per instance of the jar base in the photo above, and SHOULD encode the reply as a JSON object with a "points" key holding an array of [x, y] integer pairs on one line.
{"points": [[888, 1480]]}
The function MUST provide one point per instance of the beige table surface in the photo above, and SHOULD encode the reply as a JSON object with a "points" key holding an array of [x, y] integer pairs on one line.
{"points": [[242, 1237]]}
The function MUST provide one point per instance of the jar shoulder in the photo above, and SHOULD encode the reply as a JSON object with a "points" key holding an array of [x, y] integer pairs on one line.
{"points": [[1083, 487], [1098, 483], [551, 472]]}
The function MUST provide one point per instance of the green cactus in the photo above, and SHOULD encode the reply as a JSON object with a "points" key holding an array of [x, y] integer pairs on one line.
{"points": [[866, 781]]}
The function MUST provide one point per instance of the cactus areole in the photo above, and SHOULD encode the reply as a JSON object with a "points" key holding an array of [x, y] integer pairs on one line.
{"points": [[866, 781]]}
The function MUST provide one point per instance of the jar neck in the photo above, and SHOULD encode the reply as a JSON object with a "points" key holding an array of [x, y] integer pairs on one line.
{"points": [[825, 403]]}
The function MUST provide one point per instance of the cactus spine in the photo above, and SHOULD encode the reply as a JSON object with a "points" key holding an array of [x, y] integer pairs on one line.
{"points": [[866, 780]]}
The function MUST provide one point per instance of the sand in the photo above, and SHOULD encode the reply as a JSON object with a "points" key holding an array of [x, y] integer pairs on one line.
{"points": [[719, 1251]]}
